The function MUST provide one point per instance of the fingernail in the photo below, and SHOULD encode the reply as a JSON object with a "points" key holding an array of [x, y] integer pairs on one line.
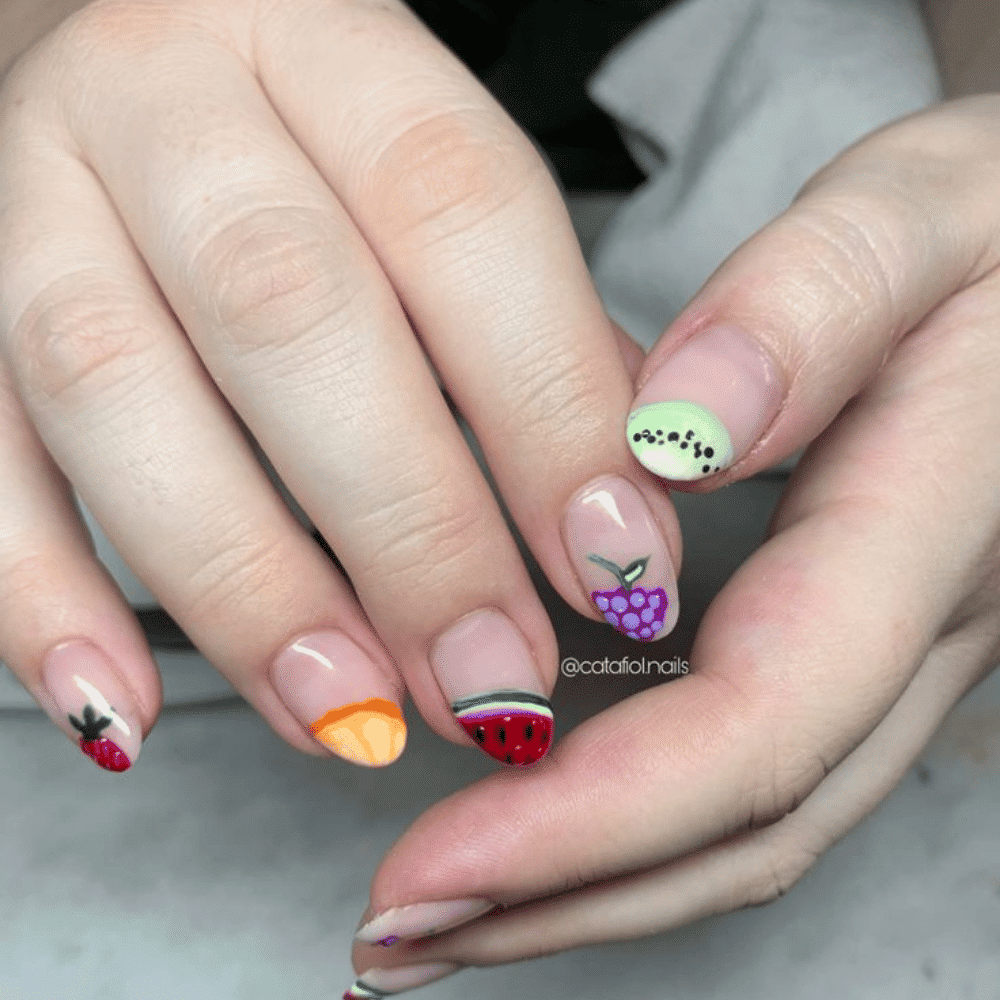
{"points": [[705, 406], [94, 706], [334, 689], [621, 558], [487, 672], [421, 920], [377, 983]]}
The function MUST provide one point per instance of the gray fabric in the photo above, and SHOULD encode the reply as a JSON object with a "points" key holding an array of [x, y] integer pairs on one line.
{"points": [[729, 106]]}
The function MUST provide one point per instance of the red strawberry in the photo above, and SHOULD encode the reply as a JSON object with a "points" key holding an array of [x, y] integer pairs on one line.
{"points": [[634, 611], [513, 727], [99, 748]]}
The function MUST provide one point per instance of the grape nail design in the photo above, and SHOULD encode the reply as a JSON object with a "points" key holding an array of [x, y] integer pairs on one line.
{"points": [[637, 612]]}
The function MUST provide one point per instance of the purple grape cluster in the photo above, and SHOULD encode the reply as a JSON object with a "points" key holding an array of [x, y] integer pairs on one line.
{"points": [[638, 612]]}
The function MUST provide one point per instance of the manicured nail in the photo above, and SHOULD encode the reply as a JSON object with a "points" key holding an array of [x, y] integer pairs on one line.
{"points": [[705, 406], [488, 674], [621, 558], [421, 920], [332, 687], [94, 706], [377, 983]]}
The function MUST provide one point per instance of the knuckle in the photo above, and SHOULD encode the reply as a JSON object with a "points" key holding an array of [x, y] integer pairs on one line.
{"points": [[90, 338], [239, 575], [783, 863], [423, 538], [276, 277], [454, 169]]}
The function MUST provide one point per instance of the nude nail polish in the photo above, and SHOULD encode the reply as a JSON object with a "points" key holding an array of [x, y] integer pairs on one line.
{"points": [[419, 920], [621, 558], [488, 674], [374, 984], [705, 406], [336, 692], [93, 705]]}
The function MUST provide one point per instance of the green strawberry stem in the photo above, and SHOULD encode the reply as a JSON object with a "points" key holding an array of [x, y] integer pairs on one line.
{"points": [[627, 576]]}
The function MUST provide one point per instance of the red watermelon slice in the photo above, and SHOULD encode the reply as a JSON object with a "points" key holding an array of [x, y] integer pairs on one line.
{"points": [[513, 727]]}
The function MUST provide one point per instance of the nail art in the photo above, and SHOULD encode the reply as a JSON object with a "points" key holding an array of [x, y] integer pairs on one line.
{"points": [[83, 683], [513, 727], [679, 440], [370, 731], [95, 744], [374, 984], [421, 920], [635, 611]]}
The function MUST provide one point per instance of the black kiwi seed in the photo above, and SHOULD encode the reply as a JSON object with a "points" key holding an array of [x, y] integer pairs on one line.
{"points": [[673, 436]]}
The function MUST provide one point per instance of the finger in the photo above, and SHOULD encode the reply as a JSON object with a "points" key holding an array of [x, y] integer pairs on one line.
{"points": [[797, 661], [414, 546], [54, 593], [470, 228], [801, 316], [121, 403], [746, 869]]}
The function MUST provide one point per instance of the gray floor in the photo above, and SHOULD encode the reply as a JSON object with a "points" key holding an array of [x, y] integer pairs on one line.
{"points": [[228, 866]]}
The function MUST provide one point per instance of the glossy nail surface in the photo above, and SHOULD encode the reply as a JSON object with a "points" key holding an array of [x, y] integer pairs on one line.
{"points": [[331, 686], [94, 706], [621, 558], [421, 920], [705, 406], [377, 983], [487, 672]]}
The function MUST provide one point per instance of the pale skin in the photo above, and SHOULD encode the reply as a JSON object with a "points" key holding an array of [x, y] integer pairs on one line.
{"points": [[821, 669]]}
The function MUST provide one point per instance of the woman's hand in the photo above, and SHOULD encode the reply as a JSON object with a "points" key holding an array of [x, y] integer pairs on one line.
{"points": [[828, 660], [239, 224]]}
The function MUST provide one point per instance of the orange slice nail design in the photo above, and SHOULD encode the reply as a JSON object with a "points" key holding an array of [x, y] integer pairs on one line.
{"points": [[365, 732]]}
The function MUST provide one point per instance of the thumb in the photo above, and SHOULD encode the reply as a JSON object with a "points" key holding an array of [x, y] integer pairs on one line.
{"points": [[801, 316]]}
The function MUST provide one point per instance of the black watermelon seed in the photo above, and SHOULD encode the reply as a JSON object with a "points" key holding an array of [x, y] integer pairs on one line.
{"points": [[528, 730], [509, 761], [636, 437], [709, 452], [673, 436], [545, 736], [480, 734], [502, 734]]}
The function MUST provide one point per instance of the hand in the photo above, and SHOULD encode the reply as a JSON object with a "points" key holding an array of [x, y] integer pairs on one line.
{"points": [[828, 660], [224, 225]]}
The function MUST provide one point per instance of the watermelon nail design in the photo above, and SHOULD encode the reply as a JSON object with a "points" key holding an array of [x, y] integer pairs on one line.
{"points": [[513, 727], [101, 750], [635, 611]]}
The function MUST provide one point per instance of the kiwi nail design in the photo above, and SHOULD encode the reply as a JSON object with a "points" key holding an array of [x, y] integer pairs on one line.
{"points": [[679, 440], [513, 727], [637, 612]]}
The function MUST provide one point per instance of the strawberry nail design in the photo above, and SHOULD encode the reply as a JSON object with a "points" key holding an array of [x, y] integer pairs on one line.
{"points": [[513, 727], [634, 611], [102, 751]]}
